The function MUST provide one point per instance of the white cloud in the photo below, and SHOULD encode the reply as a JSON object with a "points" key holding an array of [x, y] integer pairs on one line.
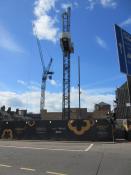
{"points": [[8, 42], [101, 42], [92, 96], [15, 102], [76, 4], [29, 85], [21, 82], [103, 3], [91, 4], [69, 4], [108, 3], [53, 82], [66, 5], [57, 11], [33, 87], [26, 100], [34, 83], [45, 24], [31, 100], [126, 22]]}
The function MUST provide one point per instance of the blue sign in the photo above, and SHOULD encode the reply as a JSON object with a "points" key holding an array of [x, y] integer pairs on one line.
{"points": [[124, 49]]}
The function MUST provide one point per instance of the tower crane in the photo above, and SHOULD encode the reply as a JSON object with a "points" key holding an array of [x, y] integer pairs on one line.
{"points": [[46, 74], [67, 49]]}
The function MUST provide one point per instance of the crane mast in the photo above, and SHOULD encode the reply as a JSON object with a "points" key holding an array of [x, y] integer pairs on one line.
{"points": [[47, 74], [67, 49]]}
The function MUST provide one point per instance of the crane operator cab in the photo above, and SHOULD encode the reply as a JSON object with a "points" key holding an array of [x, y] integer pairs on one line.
{"points": [[66, 43]]}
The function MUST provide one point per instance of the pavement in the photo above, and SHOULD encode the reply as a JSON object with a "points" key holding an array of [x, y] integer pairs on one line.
{"points": [[64, 158]]}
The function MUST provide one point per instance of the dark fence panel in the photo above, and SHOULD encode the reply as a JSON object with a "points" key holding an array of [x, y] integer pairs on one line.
{"points": [[94, 130]]}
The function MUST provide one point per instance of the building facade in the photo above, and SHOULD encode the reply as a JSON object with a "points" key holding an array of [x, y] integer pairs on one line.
{"points": [[122, 107], [100, 111]]}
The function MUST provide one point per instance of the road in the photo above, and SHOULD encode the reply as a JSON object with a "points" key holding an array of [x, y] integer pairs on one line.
{"points": [[64, 158]]}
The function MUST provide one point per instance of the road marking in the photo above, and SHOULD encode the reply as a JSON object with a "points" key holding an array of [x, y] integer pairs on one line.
{"points": [[7, 166], [27, 169], [38, 148], [54, 173], [89, 147]]}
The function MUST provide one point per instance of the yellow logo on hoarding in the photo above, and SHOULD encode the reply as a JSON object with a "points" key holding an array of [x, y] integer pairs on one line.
{"points": [[82, 129], [7, 134]]}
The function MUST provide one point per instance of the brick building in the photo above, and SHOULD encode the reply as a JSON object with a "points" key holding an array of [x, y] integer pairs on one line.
{"points": [[74, 114], [100, 111]]}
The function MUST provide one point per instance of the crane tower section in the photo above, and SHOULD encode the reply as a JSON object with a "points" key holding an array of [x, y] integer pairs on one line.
{"points": [[47, 74], [67, 49]]}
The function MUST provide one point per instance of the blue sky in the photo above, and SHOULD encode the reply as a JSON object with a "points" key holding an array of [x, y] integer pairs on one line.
{"points": [[93, 35]]}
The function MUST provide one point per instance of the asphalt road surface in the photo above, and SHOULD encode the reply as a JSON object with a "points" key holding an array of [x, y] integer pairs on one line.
{"points": [[64, 158]]}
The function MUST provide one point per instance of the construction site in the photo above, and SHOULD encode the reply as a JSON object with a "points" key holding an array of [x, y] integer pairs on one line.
{"points": [[103, 123]]}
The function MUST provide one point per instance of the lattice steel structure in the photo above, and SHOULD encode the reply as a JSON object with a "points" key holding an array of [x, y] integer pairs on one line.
{"points": [[47, 74], [67, 49]]}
